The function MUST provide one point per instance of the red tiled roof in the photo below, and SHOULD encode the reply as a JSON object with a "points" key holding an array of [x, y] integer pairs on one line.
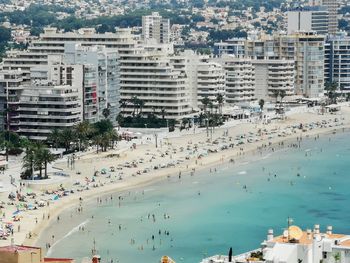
{"points": [[58, 259], [17, 248]]}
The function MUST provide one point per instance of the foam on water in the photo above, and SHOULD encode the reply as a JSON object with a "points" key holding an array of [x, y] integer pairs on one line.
{"points": [[71, 232], [210, 212]]}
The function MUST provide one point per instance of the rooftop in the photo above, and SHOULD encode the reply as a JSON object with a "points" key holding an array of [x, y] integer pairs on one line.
{"points": [[16, 248]]}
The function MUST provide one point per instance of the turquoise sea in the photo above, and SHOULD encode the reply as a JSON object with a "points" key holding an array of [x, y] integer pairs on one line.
{"points": [[213, 211]]}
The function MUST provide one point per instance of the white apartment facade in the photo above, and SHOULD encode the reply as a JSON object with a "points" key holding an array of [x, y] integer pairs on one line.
{"points": [[156, 27], [53, 42], [101, 79], [210, 81], [52, 99], [295, 245], [308, 19], [273, 76], [337, 60], [239, 80], [148, 73]]}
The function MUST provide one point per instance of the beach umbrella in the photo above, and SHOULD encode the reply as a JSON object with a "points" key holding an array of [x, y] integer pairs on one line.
{"points": [[55, 198], [230, 255], [16, 212]]}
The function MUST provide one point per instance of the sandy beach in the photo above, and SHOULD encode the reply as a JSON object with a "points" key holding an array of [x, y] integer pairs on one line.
{"points": [[134, 167]]}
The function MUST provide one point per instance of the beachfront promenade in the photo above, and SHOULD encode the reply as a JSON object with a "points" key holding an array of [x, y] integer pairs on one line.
{"points": [[179, 153]]}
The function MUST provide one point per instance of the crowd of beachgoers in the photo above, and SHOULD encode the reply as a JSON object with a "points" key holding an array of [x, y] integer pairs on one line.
{"points": [[26, 210]]}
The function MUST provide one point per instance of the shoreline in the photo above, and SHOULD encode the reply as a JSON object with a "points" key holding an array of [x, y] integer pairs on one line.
{"points": [[156, 178]]}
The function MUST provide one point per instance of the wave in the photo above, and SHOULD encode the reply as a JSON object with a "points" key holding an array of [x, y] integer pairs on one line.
{"points": [[74, 230], [242, 172], [266, 156]]}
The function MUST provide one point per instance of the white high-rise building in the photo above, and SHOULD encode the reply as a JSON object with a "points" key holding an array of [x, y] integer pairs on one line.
{"points": [[307, 51], [337, 61], [308, 19], [239, 80], [149, 73], [273, 76], [101, 90], [52, 99], [101, 79], [210, 81], [156, 27]]}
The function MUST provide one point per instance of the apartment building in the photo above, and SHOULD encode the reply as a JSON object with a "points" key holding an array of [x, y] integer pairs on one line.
{"points": [[312, 18], [53, 41], [332, 8], [262, 47], [234, 46], [210, 81], [101, 79], [239, 80], [52, 99], [337, 60], [307, 51], [156, 27], [103, 90], [272, 77], [295, 245], [149, 73]]}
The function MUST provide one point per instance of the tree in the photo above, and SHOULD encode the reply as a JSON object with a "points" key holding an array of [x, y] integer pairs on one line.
{"points": [[5, 35], [275, 94], [134, 101], [261, 104], [122, 104], [45, 157], [67, 136], [55, 137], [106, 112], [282, 94], [330, 88], [83, 131], [163, 112], [28, 163], [220, 101], [103, 126], [205, 102], [140, 104], [97, 141]]}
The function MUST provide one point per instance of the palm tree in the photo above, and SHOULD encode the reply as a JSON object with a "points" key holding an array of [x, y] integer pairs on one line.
{"points": [[205, 101], [140, 104], [134, 101], [220, 100], [97, 141], [83, 130], [275, 94], [45, 157], [282, 94], [28, 163], [261, 104], [55, 137], [113, 137], [185, 122], [105, 139], [106, 112], [331, 88], [38, 149], [122, 104], [120, 119], [163, 113], [67, 137]]}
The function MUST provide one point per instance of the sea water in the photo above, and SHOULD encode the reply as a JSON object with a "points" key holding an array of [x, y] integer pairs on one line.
{"points": [[206, 214]]}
